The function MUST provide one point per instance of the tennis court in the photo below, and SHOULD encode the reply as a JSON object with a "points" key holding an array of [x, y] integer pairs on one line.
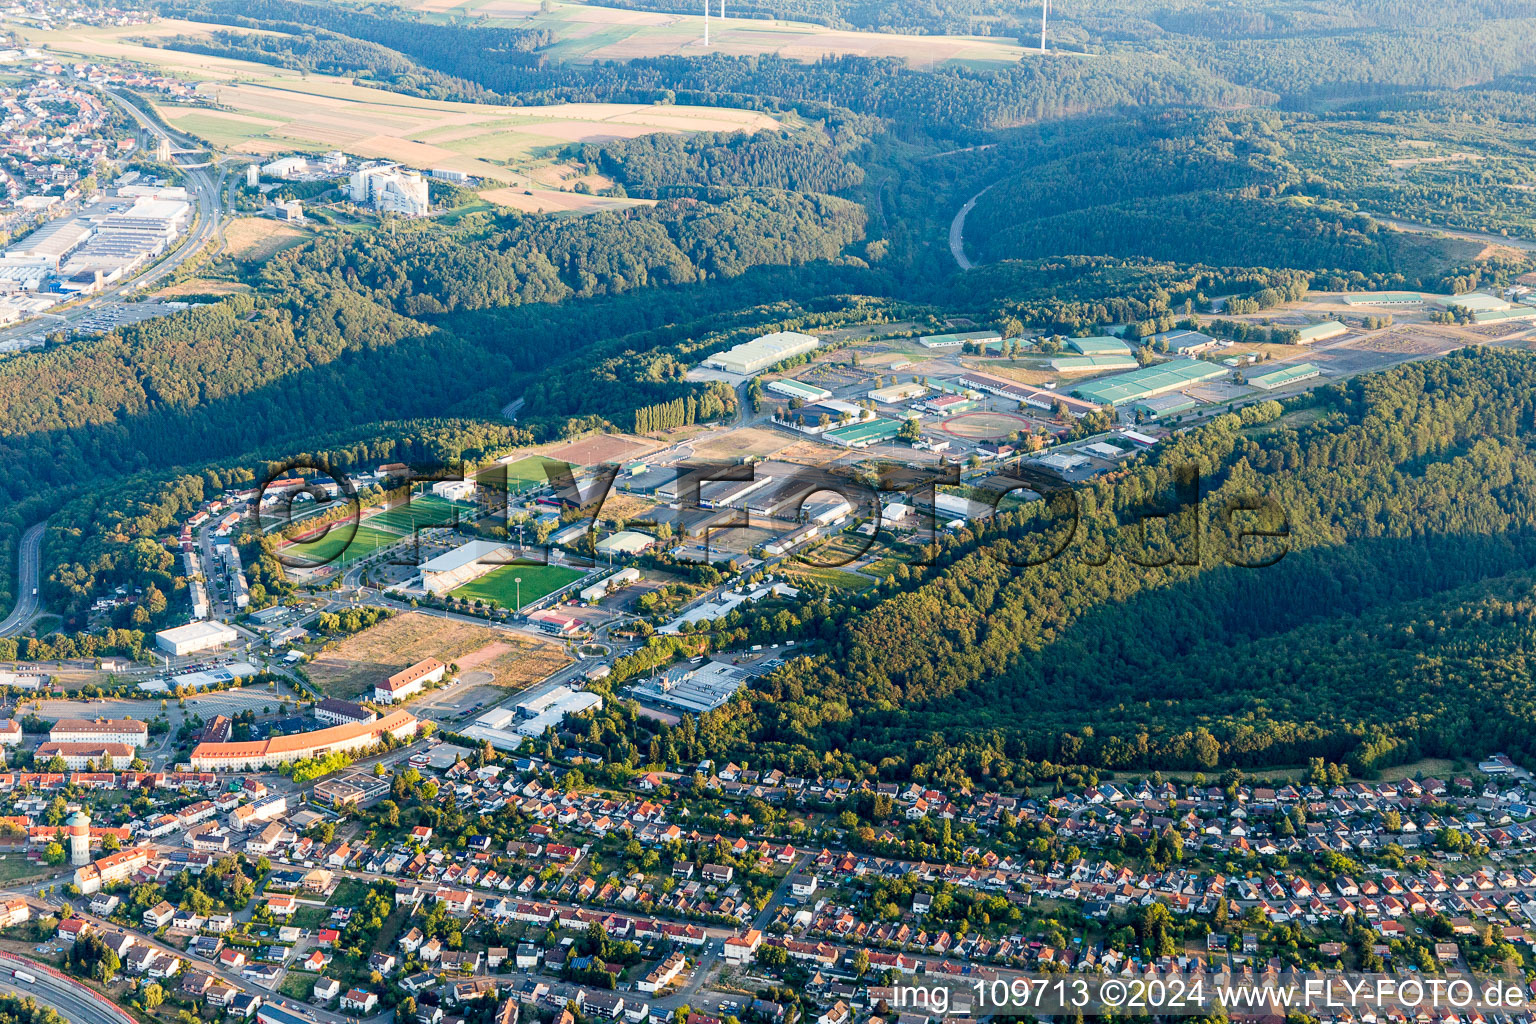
{"points": [[500, 585]]}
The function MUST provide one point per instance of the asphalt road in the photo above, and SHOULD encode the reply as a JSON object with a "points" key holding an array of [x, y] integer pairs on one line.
{"points": [[957, 230], [76, 1003], [28, 565], [205, 189]]}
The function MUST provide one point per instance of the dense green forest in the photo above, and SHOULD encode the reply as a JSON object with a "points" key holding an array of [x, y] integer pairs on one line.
{"points": [[1261, 188], [655, 165]]}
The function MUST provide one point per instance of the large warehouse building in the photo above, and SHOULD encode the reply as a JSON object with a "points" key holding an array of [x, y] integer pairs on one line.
{"points": [[194, 637], [761, 353], [455, 568], [1148, 381], [279, 750], [1283, 375], [1321, 332]]}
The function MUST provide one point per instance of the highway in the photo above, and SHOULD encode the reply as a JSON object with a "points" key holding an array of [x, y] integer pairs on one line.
{"points": [[204, 188], [76, 1003], [28, 569]]}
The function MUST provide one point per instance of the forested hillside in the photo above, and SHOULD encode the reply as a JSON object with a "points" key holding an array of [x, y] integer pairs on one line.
{"points": [[1248, 189], [1408, 496]]}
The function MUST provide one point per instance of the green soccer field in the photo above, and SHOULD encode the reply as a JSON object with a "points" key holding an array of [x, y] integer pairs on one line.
{"points": [[424, 510], [364, 542], [525, 474], [500, 585]]}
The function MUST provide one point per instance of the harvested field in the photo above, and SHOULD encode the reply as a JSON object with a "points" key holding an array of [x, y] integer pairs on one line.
{"points": [[260, 238], [264, 109], [588, 32], [358, 662]]}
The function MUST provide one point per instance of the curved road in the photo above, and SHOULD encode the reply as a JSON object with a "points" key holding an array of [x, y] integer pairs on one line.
{"points": [[957, 229], [28, 566]]}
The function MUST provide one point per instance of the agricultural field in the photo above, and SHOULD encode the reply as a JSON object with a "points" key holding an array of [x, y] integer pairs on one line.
{"points": [[264, 110], [501, 586], [365, 658], [590, 32]]}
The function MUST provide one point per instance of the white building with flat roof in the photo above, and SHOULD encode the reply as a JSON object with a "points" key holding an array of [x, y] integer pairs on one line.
{"points": [[762, 352], [194, 637]]}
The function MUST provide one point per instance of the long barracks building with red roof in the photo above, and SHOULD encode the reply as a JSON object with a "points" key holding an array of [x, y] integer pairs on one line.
{"points": [[279, 750]]}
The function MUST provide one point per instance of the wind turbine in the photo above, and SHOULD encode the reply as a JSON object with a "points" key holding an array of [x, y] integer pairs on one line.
{"points": [[1045, 8], [706, 22]]}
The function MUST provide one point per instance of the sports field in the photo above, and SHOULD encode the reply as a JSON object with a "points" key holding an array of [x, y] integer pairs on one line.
{"points": [[423, 510], [500, 586], [324, 551], [983, 426]]}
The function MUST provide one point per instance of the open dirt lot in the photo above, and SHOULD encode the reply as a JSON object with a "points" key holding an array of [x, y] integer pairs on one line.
{"points": [[359, 661], [747, 441], [258, 238], [602, 448]]}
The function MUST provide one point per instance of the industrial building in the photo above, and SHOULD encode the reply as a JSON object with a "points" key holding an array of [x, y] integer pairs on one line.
{"points": [[1148, 381], [1383, 299], [862, 435], [1183, 343], [603, 587], [1498, 316], [1313, 333], [898, 393], [389, 189], [1283, 375], [625, 543], [280, 750], [1099, 345], [1093, 363], [1165, 405], [1027, 394], [959, 339], [691, 689], [506, 728], [760, 353], [194, 637], [1477, 302], [795, 389], [466, 562]]}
